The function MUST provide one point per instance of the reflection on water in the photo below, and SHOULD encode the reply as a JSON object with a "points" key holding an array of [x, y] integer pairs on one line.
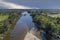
{"points": [[24, 24], [26, 18]]}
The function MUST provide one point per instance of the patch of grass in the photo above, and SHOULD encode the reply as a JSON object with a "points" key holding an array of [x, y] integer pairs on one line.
{"points": [[1, 36], [53, 15], [3, 17]]}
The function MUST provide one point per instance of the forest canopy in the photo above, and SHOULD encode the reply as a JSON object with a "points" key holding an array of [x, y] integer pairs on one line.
{"points": [[49, 21]]}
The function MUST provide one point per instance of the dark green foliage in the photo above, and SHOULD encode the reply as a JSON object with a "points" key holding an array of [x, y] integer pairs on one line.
{"points": [[11, 16], [46, 23]]}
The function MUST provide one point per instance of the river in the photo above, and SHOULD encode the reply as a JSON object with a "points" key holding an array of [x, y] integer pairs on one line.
{"points": [[23, 25]]}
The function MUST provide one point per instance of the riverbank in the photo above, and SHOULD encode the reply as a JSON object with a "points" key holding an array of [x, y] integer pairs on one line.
{"points": [[11, 27], [19, 31], [32, 35]]}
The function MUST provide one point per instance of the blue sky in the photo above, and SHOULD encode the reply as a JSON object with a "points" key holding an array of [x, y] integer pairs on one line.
{"points": [[30, 4]]}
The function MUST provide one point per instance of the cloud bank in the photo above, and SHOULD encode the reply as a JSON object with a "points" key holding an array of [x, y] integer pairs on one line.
{"points": [[10, 5], [30, 4]]}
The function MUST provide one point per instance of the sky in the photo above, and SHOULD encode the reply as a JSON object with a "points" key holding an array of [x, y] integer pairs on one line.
{"points": [[29, 4]]}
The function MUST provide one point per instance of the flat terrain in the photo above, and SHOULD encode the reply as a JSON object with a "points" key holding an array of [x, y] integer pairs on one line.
{"points": [[53, 15], [3, 17]]}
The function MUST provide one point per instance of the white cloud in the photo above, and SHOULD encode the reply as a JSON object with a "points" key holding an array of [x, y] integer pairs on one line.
{"points": [[13, 5], [30, 4]]}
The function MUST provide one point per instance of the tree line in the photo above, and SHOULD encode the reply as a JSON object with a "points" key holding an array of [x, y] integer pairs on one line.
{"points": [[8, 18], [47, 23]]}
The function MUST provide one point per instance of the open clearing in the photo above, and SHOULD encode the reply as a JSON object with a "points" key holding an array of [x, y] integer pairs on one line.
{"points": [[3, 17]]}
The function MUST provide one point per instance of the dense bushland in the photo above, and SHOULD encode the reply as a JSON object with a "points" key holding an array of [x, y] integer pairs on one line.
{"points": [[8, 19], [44, 21]]}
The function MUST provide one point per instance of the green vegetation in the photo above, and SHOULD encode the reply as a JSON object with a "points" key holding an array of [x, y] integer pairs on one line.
{"points": [[8, 19], [3, 17], [47, 23]]}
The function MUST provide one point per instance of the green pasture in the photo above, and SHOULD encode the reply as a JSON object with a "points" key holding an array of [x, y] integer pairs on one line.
{"points": [[3, 17]]}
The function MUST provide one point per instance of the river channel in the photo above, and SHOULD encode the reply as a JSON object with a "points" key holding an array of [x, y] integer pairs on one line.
{"points": [[23, 25]]}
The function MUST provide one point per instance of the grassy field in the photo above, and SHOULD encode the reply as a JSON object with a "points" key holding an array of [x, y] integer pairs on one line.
{"points": [[3, 17], [54, 15]]}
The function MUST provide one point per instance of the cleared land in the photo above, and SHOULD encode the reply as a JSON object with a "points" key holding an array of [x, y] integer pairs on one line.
{"points": [[3, 17], [53, 15]]}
